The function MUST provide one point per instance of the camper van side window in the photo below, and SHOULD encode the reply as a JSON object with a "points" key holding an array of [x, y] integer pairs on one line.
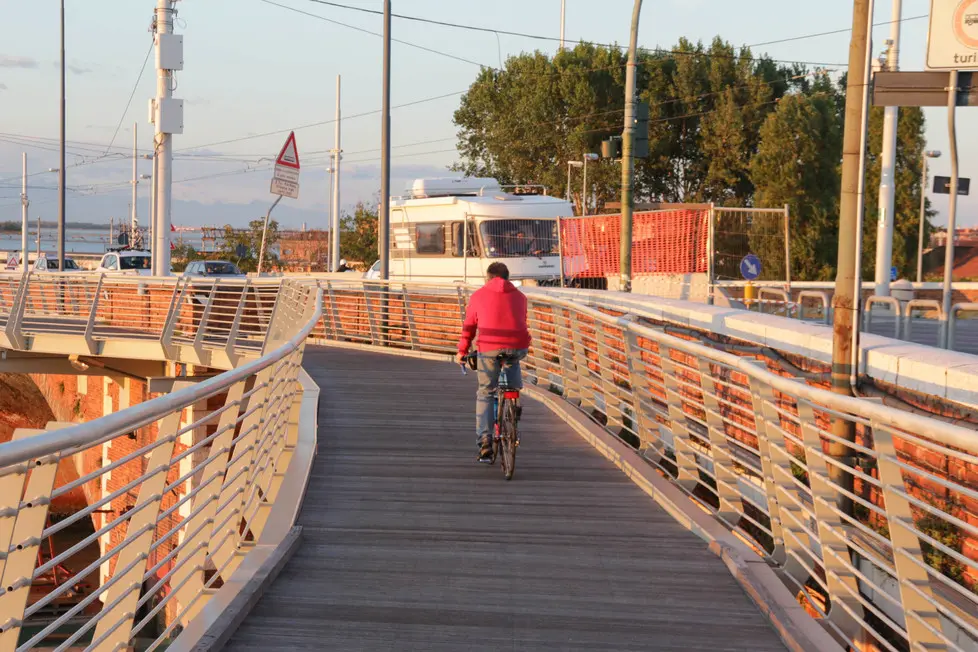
{"points": [[430, 238]]}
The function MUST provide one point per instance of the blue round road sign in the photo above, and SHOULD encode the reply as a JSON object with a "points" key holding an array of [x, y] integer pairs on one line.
{"points": [[750, 267]]}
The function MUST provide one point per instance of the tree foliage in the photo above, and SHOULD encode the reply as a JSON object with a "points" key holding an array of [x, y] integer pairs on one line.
{"points": [[243, 247], [358, 235], [726, 127]]}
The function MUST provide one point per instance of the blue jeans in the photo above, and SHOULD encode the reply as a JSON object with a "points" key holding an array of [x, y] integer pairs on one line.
{"points": [[488, 372]]}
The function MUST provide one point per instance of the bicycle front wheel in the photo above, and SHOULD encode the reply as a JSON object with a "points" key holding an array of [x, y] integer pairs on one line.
{"points": [[508, 437]]}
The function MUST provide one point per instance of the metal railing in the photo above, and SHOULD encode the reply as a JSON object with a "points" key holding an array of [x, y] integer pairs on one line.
{"points": [[175, 491], [877, 535]]}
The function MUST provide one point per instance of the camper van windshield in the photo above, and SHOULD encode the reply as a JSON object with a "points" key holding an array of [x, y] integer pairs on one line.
{"points": [[517, 238]]}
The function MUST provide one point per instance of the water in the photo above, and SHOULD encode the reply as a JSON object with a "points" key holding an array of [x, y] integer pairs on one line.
{"points": [[82, 241]]}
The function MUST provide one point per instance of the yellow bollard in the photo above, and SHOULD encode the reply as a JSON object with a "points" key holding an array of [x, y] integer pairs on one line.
{"points": [[748, 294]]}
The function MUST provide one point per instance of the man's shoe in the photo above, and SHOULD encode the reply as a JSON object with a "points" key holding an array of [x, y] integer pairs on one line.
{"points": [[485, 454]]}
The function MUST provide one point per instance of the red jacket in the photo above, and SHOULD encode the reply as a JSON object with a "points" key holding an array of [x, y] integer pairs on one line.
{"points": [[498, 312]]}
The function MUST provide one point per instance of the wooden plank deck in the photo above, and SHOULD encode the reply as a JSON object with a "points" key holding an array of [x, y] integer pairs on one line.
{"points": [[409, 544]]}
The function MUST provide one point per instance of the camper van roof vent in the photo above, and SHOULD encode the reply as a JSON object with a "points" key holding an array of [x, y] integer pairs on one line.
{"points": [[452, 187]]}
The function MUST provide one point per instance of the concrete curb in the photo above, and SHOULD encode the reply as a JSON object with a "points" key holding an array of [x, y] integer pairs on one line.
{"points": [[799, 631], [270, 563]]}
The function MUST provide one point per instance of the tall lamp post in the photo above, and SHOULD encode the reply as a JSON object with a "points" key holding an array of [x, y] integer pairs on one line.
{"points": [[923, 212], [574, 164], [584, 204], [61, 170]]}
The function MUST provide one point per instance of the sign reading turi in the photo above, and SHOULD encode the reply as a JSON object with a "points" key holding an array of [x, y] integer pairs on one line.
{"points": [[285, 181], [952, 40]]}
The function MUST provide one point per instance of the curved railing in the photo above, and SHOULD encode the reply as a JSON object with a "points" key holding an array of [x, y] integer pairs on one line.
{"points": [[173, 492], [878, 536]]}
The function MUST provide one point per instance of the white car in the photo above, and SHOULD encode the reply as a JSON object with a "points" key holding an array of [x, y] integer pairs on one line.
{"points": [[373, 272], [130, 262], [45, 264]]}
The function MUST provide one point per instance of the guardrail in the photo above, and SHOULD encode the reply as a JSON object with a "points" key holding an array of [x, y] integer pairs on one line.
{"points": [[877, 534], [177, 489]]}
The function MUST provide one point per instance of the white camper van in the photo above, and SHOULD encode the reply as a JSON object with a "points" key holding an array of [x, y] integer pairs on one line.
{"points": [[431, 223]]}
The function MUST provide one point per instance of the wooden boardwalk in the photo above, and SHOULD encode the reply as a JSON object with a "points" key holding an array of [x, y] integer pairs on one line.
{"points": [[409, 544]]}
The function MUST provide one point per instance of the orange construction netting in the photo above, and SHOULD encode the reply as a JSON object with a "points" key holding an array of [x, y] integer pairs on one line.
{"points": [[663, 242]]}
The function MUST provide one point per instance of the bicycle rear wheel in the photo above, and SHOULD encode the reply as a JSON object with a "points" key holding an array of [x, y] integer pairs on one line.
{"points": [[507, 437]]}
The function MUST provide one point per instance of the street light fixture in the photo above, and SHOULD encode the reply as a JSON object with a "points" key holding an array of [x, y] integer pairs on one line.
{"points": [[571, 164], [923, 217]]}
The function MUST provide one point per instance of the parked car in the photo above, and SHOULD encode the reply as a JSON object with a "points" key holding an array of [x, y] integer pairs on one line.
{"points": [[130, 261], [373, 272], [45, 264], [211, 268]]}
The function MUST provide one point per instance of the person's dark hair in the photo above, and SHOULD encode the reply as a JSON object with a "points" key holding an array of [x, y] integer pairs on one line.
{"points": [[498, 270]]}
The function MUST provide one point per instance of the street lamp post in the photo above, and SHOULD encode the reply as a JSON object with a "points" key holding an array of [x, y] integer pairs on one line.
{"points": [[584, 205], [61, 170], [923, 211], [574, 164]]}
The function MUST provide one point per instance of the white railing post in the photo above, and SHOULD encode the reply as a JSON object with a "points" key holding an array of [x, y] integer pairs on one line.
{"points": [[916, 595], [688, 470], [639, 381], [115, 623], [236, 322], [205, 316], [173, 315], [189, 576], [412, 326], [20, 537], [336, 323], [610, 388], [16, 317], [567, 356], [227, 534], [731, 508], [92, 316], [840, 580]]}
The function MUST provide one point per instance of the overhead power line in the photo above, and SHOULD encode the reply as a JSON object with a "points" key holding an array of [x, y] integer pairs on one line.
{"points": [[541, 37], [135, 86]]}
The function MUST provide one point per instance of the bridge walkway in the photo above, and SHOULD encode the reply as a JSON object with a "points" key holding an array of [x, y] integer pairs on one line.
{"points": [[409, 544]]}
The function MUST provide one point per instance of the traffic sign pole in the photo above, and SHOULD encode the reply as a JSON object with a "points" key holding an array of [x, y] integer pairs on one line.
{"points": [[952, 207]]}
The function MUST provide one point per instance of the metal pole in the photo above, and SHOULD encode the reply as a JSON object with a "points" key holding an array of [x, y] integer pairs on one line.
{"points": [[61, 169], [264, 233], [135, 179], [24, 203], [887, 203], [563, 13], [627, 162], [385, 153], [153, 227], [584, 203], [329, 218], [844, 300], [560, 251], [335, 225], [568, 193], [787, 248], [164, 150], [39, 236], [923, 218], [952, 209], [465, 250], [861, 195], [711, 255]]}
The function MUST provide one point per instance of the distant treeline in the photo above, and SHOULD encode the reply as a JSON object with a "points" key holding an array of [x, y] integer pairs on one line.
{"points": [[7, 227]]}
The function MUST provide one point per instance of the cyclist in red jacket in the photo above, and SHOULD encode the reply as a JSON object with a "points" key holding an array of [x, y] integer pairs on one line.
{"points": [[498, 312]]}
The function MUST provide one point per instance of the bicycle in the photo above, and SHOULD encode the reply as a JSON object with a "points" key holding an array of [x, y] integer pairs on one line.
{"points": [[507, 413]]}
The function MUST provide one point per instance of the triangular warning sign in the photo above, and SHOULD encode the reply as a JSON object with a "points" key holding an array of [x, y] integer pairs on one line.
{"points": [[289, 156]]}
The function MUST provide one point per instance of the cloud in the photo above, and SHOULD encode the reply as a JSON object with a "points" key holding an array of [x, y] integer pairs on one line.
{"points": [[10, 61], [3, 87], [77, 69]]}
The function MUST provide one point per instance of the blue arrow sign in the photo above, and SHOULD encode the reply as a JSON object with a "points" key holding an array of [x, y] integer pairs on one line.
{"points": [[893, 273], [750, 267]]}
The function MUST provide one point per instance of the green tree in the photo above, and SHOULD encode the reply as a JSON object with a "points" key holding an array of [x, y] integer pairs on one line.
{"points": [[358, 235], [242, 247], [181, 255], [797, 163]]}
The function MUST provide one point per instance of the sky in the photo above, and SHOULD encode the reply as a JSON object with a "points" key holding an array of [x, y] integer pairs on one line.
{"points": [[256, 67]]}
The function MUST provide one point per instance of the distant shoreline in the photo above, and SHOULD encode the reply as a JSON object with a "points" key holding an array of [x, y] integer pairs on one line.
{"points": [[14, 227]]}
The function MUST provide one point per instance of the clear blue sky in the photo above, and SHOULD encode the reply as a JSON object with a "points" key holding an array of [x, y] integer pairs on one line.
{"points": [[253, 68]]}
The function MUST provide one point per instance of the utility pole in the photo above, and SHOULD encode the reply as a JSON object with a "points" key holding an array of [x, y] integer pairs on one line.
{"points": [[24, 203], [61, 169], [168, 120], [135, 180], [627, 162], [845, 301], [887, 204], [334, 227], [383, 234], [952, 207], [563, 13]]}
